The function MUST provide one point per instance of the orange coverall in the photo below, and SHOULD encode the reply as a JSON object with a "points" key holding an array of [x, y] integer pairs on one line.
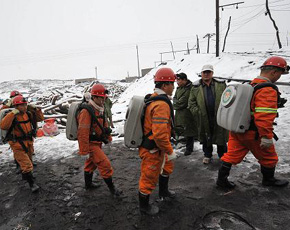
{"points": [[23, 158], [264, 108], [97, 158], [157, 119]]}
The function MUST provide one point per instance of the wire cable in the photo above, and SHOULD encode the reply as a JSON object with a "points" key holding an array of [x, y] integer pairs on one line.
{"points": [[229, 213]]}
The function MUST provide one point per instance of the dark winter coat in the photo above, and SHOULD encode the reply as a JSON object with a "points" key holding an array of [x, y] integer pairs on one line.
{"points": [[185, 123], [197, 105]]}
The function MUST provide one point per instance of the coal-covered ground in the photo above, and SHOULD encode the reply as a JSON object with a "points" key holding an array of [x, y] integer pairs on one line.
{"points": [[63, 203]]}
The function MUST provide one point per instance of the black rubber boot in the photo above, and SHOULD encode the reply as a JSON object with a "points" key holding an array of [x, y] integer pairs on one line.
{"points": [[18, 169], [114, 191], [189, 146], [145, 207], [89, 181], [29, 177], [163, 188], [270, 180], [224, 172], [16, 163]]}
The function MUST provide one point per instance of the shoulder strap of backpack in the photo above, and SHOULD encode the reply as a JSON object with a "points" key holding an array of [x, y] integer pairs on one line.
{"points": [[164, 98], [267, 84], [148, 100], [24, 135], [92, 113], [260, 86], [33, 122]]}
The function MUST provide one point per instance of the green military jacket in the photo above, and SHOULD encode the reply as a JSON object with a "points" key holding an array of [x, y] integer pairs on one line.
{"points": [[185, 123], [108, 106], [197, 107]]}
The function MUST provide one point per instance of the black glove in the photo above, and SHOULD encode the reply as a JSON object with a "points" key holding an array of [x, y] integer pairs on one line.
{"points": [[282, 102], [107, 131]]}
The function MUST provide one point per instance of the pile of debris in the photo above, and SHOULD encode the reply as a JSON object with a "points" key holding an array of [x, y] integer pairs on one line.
{"points": [[56, 96]]}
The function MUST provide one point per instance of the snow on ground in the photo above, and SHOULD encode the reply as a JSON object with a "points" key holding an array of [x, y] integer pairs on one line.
{"points": [[232, 65], [45, 148]]}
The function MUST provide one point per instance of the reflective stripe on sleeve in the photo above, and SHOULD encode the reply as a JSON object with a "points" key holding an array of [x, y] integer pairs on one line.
{"points": [[265, 110], [160, 122], [160, 118]]}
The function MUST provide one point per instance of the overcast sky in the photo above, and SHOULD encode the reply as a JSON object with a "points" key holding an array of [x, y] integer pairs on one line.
{"points": [[67, 39]]}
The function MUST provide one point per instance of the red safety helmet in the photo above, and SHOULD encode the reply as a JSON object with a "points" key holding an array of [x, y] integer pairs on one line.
{"points": [[18, 100], [99, 90], [165, 74], [15, 93], [277, 62]]}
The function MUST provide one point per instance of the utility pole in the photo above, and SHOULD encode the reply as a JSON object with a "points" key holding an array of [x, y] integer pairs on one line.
{"points": [[274, 23], [138, 61], [208, 38], [197, 44], [96, 70], [188, 51], [217, 22], [217, 28], [172, 50], [229, 25]]}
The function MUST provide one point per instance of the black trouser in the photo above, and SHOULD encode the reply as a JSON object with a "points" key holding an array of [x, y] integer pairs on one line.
{"points": [[221, 149], [189, 144]]}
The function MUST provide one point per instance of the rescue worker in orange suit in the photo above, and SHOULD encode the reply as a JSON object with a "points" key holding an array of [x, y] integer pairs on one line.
{"points": [[259, 138], [91, 135], [8, 103], [156, 151], [20, 135]]}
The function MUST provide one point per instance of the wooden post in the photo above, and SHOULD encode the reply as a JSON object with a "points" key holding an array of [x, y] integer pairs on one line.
{"points": [[217, 32], [197, 44], [274, 23], [138, 61], [229, 25], [172, 50]]}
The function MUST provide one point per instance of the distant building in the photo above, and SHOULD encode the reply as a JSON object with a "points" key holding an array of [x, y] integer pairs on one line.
{"points": [[131, 79], [82, 80], [145, 71]]}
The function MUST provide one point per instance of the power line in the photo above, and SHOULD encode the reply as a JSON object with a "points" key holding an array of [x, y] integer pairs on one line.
{"points": [[259, 7], [262, 4], [252, 18], [237, 23], [92, 49], [288, 4], [249, 19]]}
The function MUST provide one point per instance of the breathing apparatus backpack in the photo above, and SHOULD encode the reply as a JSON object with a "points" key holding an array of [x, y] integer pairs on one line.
{"points": [[134, 124], [234, 112], [3, 133], [72, 123]]}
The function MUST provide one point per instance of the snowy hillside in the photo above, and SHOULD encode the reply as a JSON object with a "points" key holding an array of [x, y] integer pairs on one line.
{"points": [[229, 65]]}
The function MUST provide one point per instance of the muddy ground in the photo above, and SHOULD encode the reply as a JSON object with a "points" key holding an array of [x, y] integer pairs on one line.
{"points": [[63, 203]]}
